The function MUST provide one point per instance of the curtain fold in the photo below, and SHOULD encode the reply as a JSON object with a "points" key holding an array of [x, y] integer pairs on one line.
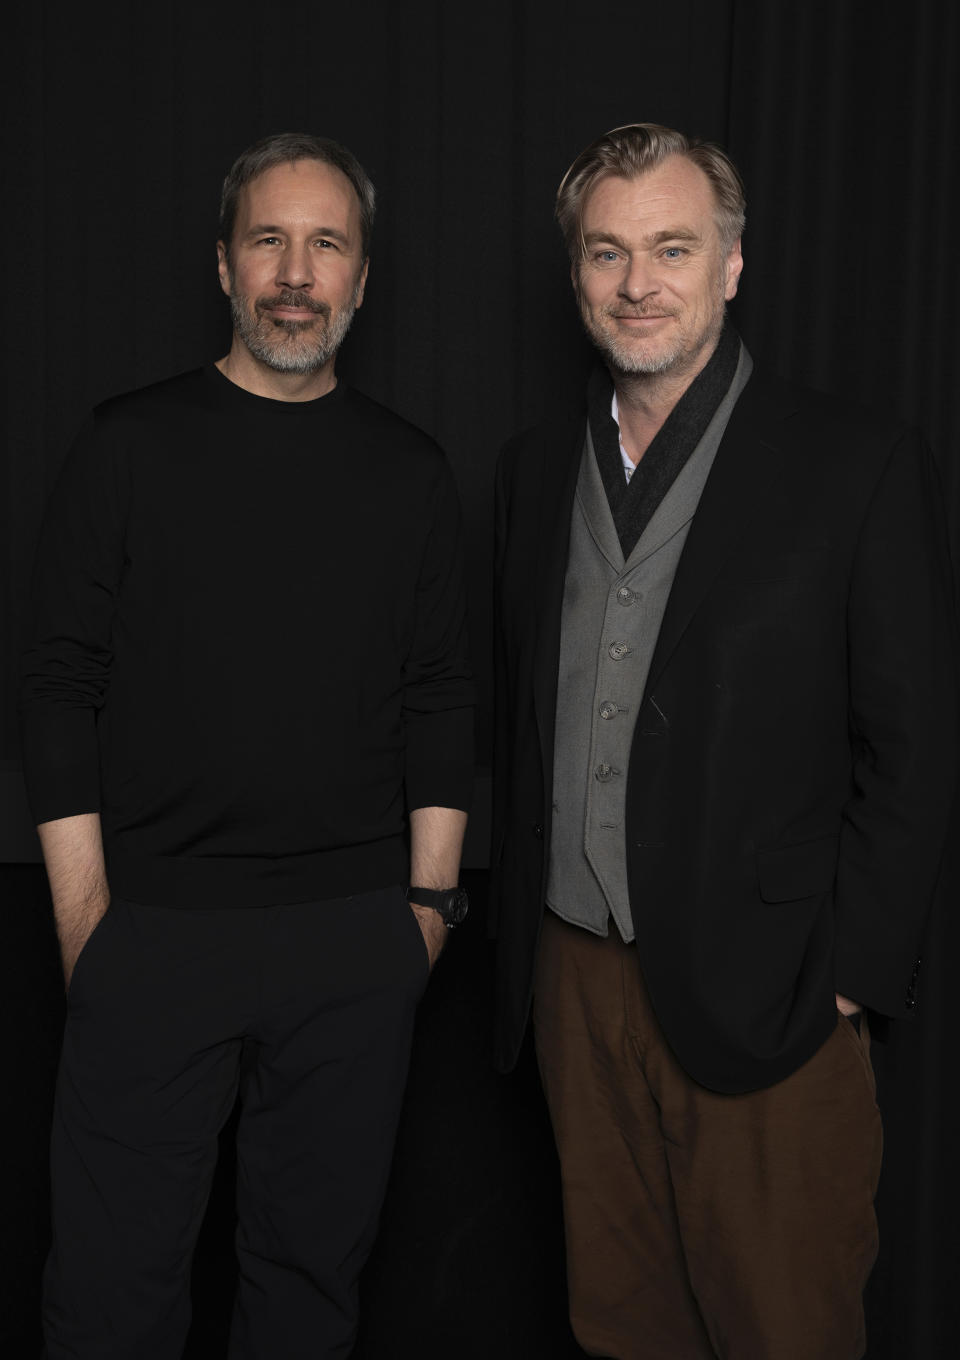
{"points": [[119, 123]]}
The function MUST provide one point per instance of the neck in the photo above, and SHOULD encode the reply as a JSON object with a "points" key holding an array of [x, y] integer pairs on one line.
{"points": [[240, 366], [644, 400]]}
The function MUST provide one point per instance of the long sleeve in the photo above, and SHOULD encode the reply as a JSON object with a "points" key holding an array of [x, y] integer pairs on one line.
{"points": [[66, 666], [438, 692], [903, 716]]}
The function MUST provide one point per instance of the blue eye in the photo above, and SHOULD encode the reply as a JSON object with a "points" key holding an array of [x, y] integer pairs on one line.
{"points": [[674, 252]]}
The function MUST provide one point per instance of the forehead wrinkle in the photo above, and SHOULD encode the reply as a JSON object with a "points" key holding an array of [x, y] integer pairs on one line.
{"points": [[674, 188], [296, 191]]}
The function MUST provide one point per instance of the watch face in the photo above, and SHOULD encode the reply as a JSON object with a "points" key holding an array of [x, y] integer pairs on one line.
{"points": [[457, 907]]}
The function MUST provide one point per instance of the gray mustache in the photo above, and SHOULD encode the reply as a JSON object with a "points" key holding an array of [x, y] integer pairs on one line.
{"points": [[294, 299]]}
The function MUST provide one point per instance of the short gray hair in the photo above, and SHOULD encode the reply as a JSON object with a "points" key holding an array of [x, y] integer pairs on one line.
{"points": [[632, 150], [282, 149]]}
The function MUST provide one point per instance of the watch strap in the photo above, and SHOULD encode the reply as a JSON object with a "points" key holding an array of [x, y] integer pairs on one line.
{"points": [[437, 898], [451, 904]]}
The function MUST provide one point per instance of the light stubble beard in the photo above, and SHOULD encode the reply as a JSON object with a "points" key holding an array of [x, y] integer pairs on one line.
{"points": [[291, 346], [638, 359]]}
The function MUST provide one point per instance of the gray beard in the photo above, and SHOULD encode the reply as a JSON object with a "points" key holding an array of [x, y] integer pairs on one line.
{"points": [[291, 346], [623, 358]]}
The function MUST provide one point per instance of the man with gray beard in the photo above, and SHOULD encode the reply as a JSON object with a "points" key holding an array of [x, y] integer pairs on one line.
{"points": [[726, 753], [247, 717]]}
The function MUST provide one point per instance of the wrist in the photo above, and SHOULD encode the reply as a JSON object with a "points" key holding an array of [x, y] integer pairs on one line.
{"points": [[450, 904]]}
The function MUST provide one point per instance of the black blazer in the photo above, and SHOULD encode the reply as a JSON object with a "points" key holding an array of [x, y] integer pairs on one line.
{"points": [[792, 766]]}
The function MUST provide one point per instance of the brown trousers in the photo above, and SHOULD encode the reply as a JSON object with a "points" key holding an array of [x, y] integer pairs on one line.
{"points": [[701, 1225]]}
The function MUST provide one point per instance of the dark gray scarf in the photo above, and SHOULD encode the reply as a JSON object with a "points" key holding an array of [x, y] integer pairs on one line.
{"points": [[633, 503]]}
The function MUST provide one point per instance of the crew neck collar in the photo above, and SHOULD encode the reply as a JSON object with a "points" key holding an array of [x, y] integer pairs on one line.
{"points": [[230, 391]]}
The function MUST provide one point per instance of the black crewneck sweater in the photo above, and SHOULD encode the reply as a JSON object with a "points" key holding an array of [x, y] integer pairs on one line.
{"points": [[248, 648]]}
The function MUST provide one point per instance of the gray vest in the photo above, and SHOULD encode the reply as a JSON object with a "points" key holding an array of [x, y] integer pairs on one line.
{"points": [[612, 611]]}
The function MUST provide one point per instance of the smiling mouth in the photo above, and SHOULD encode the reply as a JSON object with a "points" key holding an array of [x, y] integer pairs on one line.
{"points": [[292, 306]]}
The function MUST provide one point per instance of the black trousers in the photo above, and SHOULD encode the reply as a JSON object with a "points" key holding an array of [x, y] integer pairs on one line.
{"points": [[161, 1004]]}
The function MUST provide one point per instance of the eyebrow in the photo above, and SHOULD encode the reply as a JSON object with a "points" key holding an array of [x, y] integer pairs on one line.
{"points": [[676, 234], [268, 229], [593, 238]]}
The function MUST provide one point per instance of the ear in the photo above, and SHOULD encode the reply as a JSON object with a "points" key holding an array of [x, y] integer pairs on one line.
{"points": [[734, 267], [223, 267]]}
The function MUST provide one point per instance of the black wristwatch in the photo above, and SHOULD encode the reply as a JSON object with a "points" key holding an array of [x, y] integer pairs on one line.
{"points": [[451, 903]]}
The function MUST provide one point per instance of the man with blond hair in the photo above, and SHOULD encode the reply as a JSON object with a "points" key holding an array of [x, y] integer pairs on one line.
{"points": [[247, 682], [725, 762]]}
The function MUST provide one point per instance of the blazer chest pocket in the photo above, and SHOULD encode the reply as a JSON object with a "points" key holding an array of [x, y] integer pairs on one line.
{"points": [[790, 872]]}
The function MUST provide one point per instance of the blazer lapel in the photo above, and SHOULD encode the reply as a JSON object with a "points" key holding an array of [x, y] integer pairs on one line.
{"points": [[675, 510], [591, 496], [734, 493], [560, 468]]}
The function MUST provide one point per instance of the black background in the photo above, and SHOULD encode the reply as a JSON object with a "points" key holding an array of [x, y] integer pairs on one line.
{"points": [[119, 123]]}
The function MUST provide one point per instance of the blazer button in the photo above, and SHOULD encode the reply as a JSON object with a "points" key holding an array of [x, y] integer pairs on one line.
{"points": [[538, 830]]}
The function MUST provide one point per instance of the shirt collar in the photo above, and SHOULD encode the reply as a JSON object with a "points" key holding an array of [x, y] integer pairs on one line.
{"points": [[629, 468]]}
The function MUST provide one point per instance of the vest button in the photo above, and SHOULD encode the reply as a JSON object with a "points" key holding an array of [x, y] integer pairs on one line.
{"points": [[608, 709], [625, 595], [618, 650], [604, 773]]}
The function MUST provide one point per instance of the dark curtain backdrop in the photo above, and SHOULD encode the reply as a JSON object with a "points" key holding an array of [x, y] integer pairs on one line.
{"points": [[119, 122]]}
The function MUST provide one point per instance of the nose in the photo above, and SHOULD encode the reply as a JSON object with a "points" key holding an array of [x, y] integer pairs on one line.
{"points": [[296, 268], [638, 280]]}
